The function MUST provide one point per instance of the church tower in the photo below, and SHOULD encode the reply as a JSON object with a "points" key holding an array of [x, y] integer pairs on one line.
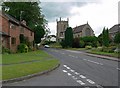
{"points": [[61, 27]]}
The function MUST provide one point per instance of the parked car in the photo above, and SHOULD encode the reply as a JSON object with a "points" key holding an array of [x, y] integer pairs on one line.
{"points": [[47, 46]]}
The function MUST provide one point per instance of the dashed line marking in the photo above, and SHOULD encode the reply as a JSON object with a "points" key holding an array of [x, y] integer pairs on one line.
{"points": [[93, 62], [62, 53], [64, 71], [72, 70], [118, 68], [77, 73], [68, 67], [69, 74], [65, 65], [80, 82], [90, 81], [82, 76]]}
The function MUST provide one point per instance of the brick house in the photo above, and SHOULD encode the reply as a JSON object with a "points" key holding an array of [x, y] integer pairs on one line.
{"points": [[114, 30], [10, 32], [83, 30]]}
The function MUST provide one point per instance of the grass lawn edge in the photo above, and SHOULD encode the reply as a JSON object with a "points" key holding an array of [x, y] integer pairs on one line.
{"points": [[30, 76]]}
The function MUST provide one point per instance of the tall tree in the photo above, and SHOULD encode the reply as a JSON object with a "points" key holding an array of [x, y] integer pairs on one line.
{"points": [[30, 12], [69, 37], [117, 38], [105, 37]]}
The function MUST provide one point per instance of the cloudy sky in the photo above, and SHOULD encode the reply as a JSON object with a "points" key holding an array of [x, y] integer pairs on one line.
{"points": [[98, 13]]}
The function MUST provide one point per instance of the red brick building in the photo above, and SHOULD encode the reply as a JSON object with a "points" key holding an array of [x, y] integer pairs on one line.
{"points": [[10, 32]]}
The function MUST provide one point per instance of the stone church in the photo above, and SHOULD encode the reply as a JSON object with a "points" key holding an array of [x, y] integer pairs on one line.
{"points": [[78, 31]]}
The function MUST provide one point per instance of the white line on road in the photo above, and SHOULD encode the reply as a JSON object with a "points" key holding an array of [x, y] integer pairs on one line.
{"points": [[65, 65], [80, 82], [90, 81], [77, 73], [64, 71], [118, 68], [62, 53], [69, 74], [82, 76], [68, 67], [72, 70]]}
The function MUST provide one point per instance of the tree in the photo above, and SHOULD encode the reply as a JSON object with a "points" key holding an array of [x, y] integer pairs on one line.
{"points": [[30, 12], [117, 38], [105, 37], [69, 37]]}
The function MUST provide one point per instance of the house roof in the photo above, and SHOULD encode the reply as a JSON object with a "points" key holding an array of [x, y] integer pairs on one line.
{"points": [[14, 20], [115, 28], [79, 28]]}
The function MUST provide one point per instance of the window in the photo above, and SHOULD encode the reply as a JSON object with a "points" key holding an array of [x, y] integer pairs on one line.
{"points": [[13, 40]]}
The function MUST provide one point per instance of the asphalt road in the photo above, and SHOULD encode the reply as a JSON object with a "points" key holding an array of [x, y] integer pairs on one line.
{"points": [[76, 69]]}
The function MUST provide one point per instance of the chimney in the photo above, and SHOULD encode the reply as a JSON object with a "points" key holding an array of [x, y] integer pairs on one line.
{"points": [[23, 22]]}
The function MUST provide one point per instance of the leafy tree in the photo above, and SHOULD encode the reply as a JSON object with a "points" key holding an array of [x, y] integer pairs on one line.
{"points": [[117, 38], [31, 13], [89, 40], [69, 37], [105, 37]]}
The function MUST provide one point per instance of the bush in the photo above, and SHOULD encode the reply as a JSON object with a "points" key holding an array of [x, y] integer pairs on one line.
{"points": [[82, 44], [22, 48], [108, 49], [5, 50], [88, 47], [62, 43]]}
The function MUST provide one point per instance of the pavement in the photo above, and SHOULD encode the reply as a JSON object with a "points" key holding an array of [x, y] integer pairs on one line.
{"points": [[77, 69]]}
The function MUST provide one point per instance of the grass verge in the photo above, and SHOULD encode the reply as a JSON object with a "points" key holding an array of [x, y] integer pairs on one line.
{"points": [[104, 53], [19, 70]]}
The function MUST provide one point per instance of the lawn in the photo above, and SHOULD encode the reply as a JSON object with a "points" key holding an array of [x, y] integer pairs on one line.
{"points": [[104, 53], [44, 62]]}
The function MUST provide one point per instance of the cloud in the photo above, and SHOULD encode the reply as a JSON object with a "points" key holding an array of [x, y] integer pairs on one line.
{"points": [[54, 10], [98, 13]]}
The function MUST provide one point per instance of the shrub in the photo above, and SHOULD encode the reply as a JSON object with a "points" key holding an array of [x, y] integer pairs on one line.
{"points": [[22, 48], [5, 50], [88, 47], [82, 44]]}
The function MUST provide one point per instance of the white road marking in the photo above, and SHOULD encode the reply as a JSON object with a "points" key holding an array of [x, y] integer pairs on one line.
{"points": [[62, 53], [64, 71], [77, 73], [65, 65], [69, 74], [118, 68], [90, 81], [72, 70], [82, 76], [93, 62], [68, 67], [75, 78], [81, 83]]}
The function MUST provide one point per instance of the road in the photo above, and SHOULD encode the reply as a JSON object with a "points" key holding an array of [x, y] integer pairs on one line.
{"points": [[76, 69]]}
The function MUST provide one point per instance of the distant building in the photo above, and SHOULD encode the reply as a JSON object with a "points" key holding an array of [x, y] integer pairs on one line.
{"points": [[83, 30], [61, 27], [11, 31], [114, 30]]}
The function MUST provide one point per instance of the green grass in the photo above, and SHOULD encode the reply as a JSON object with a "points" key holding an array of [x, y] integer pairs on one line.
{"points": [[55, 45], [104, 53], [18, 70], [15, 71], [23, 57]]}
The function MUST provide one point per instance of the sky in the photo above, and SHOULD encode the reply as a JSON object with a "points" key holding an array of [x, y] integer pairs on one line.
{"points": [[98, 13]]}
